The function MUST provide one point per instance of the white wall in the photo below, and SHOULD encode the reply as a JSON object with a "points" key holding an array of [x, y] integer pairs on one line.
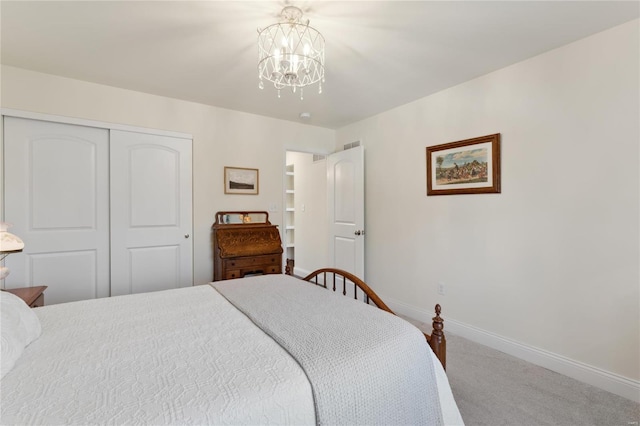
{"points": [[220, 138], [552, 261]]}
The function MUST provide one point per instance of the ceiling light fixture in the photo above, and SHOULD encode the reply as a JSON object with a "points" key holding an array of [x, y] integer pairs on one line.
{"points": [[291, 53]]}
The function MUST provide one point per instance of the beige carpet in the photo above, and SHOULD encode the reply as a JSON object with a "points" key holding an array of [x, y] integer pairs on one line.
{"points": [[493, 388]]}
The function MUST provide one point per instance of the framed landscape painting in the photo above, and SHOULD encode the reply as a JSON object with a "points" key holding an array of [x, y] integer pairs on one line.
{"points": [[238, 180], [470, 166]]}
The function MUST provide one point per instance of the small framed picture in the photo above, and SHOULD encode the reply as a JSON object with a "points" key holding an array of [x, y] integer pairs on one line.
{"points": [[239, 180], [470, 166]]}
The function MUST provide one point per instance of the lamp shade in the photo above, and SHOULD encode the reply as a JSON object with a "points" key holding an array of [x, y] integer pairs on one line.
{"points": [[9, 243]]}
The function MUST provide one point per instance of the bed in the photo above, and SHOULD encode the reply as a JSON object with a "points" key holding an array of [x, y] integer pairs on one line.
{"points": [[268, 349]]}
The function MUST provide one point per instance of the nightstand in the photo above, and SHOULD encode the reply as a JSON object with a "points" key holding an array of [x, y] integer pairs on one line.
{"points": [[32, 296]]}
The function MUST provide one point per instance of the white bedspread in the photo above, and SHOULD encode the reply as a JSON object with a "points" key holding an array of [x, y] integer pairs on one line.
{"points": [[366, 366], [182, 356]]}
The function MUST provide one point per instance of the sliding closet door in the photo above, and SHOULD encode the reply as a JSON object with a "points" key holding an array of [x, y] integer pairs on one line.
{"points": [[57, 198], [151, 221]]}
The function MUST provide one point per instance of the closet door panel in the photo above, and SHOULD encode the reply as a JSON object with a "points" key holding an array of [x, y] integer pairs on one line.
{"points": [[75, 274], [151, 221], [155, 268], [154, 174], [60, 170], [57, 198]]}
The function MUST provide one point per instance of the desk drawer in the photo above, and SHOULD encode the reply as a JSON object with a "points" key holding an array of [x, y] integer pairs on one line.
{"points": [[273, 269], [240, 273], [233, 273], [250, 262]]}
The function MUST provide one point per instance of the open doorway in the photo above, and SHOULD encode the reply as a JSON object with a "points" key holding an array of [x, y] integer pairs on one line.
{"points": [[323, 223], [305, 225]]}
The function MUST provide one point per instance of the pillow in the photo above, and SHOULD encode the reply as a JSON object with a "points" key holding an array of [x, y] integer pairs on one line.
{"points": [[19, 326]]}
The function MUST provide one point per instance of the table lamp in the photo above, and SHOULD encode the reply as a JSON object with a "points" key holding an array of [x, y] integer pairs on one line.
{"points": [[9, 243]]}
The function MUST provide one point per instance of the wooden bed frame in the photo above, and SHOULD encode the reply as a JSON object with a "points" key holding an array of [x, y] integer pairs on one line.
{"points": [[337, 278]]}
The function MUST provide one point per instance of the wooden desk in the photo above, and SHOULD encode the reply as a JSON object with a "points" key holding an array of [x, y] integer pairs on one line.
{"points": [[245, 248], [32, 296]]}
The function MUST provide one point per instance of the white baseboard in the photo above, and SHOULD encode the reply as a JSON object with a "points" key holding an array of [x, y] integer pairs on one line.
{"points": [[611, 382], [299, 272]]}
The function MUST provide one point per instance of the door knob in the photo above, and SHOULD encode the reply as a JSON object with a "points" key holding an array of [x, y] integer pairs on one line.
{"points": [[187, 235], [359, 232]]}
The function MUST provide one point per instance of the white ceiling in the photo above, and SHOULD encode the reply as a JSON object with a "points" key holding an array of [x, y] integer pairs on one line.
{"points": [[379, 54]]}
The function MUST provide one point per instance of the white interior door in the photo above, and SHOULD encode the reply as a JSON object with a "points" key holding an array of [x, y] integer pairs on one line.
{"points": [[57, 198], [151, 221], [345, 192]]}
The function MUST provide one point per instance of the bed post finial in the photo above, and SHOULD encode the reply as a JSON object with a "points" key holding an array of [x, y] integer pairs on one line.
{"points": [[438, 342]]}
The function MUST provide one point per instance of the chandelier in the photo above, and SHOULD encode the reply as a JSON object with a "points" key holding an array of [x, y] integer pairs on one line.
{"points": [[290, 53]]}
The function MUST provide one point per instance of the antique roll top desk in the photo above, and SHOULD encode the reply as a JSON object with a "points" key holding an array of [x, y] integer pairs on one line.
{"points": [[245, 244]]}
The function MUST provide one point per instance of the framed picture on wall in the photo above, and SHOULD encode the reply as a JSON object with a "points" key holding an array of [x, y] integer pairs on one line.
{"points": [[239, 180], [470, 166]]}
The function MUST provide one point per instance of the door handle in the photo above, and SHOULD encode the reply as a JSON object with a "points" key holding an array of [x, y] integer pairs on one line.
{"points": [[359, 232], [187, 235]]}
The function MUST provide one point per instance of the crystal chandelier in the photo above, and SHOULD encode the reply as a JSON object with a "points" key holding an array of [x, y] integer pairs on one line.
{"points": [[290, 53]]}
